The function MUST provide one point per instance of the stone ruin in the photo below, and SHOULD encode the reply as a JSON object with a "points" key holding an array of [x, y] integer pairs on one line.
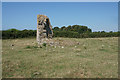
{"points": [[44, 28]]}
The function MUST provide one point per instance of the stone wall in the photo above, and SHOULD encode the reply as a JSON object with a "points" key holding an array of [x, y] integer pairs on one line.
{"points": [[44, 28]]}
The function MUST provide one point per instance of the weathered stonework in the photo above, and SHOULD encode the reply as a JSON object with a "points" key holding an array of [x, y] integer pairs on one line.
{"points": [[44, 28]]}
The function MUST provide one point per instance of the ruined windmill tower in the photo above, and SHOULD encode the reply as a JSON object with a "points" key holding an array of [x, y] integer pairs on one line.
{"points": [[44, 28]]}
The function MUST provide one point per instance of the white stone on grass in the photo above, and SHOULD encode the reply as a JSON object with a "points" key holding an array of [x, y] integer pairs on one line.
{"points": [[62, 46]]}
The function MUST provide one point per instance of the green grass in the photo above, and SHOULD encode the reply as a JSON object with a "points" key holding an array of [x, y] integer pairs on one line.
{"points": [[91, 58]]}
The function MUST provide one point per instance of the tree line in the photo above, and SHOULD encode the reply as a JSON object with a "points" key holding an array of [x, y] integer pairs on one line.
{"points": [[14, 33], [75, 31]]}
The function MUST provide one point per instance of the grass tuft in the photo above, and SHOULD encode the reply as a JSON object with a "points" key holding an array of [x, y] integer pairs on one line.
{"points": [[31, 47], [44, 44], [28, 47]]}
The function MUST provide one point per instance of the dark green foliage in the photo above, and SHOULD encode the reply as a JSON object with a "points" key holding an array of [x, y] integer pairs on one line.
{"points": [[78, 31], [75, 31], [56, 28], [85, 47], [28, 46], [44, 44], [63, 28], [14, 33], [31, 47], [70, 34]]}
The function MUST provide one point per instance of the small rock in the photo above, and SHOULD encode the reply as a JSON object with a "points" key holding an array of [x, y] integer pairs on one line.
{"points": [[103, 45], [62, 46], [12, 44], [78, 43], [77, 53], [55, 46], [84, 45], [36, 73], [81, 72], [51, 44]]}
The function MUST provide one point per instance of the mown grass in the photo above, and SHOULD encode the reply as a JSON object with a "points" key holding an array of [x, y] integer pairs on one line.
{"points": [[72, 58]]}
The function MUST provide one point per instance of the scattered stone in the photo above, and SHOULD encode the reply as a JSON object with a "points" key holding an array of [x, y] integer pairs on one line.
{"points": [[68, 72], [62, 46], [12, 44], [39, 46], [84, 45], [36, 73], [81, 72], [78, 50], [51, 44], [78, 43], [77, 53], [103, 45]]}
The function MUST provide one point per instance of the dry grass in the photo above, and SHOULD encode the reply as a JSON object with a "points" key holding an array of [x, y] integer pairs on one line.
{"points": [[70, 58]]}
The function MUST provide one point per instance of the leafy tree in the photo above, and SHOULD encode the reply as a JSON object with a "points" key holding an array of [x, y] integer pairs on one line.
{"points": [[63, 28], [56, 28]]}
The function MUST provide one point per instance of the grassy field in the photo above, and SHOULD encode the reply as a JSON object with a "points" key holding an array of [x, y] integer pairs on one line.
{"points": [[71, 58]]}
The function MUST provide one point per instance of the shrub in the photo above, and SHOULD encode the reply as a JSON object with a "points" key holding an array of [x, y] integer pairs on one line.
{"points": [[44, 44], [28, 46], [35, 46]]}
